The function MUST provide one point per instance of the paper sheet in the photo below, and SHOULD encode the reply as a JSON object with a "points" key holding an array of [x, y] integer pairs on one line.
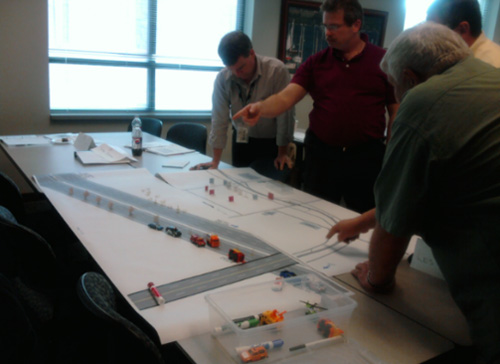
{"points": [[20, 140], [104, 154]]}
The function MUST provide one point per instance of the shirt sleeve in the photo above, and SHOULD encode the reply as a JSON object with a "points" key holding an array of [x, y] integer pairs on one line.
{"points": [[402, 189], [285, 121], [220, 114], [304, 77]]}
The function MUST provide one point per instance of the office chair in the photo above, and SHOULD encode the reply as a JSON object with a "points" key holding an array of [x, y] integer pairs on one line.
{"points": [[189, 135], [29, 261], [19, 341], [11, 198], [115, 335], [150, 125]]}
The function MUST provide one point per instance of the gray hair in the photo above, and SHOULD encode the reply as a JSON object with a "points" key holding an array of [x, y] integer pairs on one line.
{"points": [[427, 49]]}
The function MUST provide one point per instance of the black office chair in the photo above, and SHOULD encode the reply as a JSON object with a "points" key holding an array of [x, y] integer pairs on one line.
{"points": [[29, 261], [11, 198], [115, 335], [19, 341], [189, 135], [150, 125]]}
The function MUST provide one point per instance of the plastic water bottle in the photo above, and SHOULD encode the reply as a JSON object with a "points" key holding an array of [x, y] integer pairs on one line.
{"points": [[136, 137]]}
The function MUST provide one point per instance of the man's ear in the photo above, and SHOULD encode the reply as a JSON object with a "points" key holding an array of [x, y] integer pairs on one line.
{"points": [[411, 79], [357, 25], [463, 28]]}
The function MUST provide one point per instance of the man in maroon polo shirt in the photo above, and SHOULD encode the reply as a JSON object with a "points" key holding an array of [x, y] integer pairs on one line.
{"points": [[345, 140]]}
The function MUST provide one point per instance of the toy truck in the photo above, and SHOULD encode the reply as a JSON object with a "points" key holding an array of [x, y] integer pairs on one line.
{"points": [[212, 240]]}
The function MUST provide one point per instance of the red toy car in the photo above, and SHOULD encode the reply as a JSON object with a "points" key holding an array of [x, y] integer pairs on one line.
{"points": [[236, 256], [197, 240]]}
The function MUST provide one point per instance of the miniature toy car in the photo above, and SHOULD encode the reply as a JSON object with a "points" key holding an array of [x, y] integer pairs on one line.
{"points": [[253, 354], [155, 226], [212, 240], [236, 256], [287, 274], [328, 329], [173, 231], [197, 240]]}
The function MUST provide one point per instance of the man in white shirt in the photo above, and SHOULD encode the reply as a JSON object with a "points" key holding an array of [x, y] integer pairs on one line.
{"points": [[249, 77], [464, 17]]}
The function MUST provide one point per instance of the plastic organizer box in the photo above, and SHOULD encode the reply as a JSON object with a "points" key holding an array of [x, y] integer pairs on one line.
{"points": [[287, 317]]}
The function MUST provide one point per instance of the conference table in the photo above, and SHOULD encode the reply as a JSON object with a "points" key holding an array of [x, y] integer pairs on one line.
{"points": [[419, 321]]}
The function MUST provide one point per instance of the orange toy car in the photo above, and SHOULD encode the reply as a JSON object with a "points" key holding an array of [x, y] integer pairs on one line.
{"points": [[253, 354]]}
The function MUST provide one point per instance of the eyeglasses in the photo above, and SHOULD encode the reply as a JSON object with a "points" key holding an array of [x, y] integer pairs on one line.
{"points": [[332, 26]]}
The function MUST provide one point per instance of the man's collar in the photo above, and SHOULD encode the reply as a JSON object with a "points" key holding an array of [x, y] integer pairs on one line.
{"points": [[340, 55]]}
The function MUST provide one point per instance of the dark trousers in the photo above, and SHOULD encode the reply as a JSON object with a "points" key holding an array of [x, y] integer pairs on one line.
{"points": [[243, 154], [333, 173], [259, 154]]}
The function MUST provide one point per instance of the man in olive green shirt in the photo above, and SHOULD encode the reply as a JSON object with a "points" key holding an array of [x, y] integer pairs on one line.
{"points": [[441, 177]]}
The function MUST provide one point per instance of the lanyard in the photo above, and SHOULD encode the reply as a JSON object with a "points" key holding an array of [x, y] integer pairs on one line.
{"points": [[245, 101]]}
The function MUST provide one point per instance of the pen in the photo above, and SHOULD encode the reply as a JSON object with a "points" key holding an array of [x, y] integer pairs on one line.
{"points": [[316, 343], [278, 343], [156, 294], [241, 322]]}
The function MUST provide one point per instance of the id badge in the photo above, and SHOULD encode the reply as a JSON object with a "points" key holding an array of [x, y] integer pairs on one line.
{"points": [[242, 134]]}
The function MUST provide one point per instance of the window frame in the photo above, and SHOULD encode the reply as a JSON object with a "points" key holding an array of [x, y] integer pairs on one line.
{"points": [[150, 65]]}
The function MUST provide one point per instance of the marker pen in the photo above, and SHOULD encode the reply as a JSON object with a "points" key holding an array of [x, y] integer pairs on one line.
{"points": [[278, 343], [317, 343], [156, 294]]}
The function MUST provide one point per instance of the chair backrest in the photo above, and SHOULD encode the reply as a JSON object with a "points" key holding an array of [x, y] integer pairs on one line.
{"points": [[150, 125], [11, 198], [189, 135], [126, 342], [19, 343], [30, 263]]}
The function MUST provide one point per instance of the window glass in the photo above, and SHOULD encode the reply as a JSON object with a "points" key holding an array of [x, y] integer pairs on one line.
{"points": [[112, 54], [193, 39], [416, 12], [83, 87], [184, 90], [98, 26]]}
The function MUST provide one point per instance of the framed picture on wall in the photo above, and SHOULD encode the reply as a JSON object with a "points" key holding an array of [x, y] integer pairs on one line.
{"points": [[374, 25], [302, 34]]}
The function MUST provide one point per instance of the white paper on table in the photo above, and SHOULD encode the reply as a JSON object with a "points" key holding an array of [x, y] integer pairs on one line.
{"points": [[104, 154], [168, 150], [19, 140], [175, 164]]}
